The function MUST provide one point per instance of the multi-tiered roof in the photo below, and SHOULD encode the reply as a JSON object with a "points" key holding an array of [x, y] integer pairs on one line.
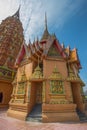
{"points": [[41, 48]]}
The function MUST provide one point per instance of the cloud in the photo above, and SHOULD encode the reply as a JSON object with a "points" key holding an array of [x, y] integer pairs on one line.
{"points": [[8, 8], [58, 12], [32, 14]]}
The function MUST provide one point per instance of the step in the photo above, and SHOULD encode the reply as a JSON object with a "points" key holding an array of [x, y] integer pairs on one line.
{"points": [[83, 121], [34, 119], [36, 114], [82, 116]]}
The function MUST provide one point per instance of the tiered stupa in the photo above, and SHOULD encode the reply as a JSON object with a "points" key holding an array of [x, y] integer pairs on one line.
{"points": [[11, 38]]}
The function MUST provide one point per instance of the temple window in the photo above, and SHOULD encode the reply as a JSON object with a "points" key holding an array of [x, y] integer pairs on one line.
{"points": [[1, 97], [56, 87]]}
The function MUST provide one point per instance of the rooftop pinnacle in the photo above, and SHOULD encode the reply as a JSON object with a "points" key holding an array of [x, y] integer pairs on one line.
{"points": [[16, 15], [46, 33]]}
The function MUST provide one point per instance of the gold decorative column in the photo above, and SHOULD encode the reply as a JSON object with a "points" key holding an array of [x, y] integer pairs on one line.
{"points": [[14, 92], [43, 92], [28, 92]]}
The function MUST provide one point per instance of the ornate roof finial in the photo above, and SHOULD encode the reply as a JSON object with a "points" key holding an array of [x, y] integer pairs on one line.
{"points": [[29, 41], [16, 15], [68, 47], [34, 40], [37, 39], [63, 47], [46, 33], [45, 21], [54, 35]]}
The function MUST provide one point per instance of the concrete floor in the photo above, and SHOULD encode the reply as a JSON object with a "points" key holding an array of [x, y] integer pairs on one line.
{"points": [[7, 123]]}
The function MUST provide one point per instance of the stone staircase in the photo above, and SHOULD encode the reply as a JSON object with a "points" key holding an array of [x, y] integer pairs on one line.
{"points": [[36, 114], [82, 116]]}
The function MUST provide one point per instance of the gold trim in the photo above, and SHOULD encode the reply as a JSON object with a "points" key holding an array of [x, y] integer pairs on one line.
{"points": [[56, 75]]}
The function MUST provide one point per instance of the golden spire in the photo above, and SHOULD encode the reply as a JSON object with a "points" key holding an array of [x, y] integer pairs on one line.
{"points": [[45, 21], [46, 33]]}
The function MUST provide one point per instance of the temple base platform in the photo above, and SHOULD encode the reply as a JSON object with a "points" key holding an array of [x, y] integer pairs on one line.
{"points": [[59, 113]]}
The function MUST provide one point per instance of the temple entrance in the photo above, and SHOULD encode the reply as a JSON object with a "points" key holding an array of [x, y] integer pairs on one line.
{"points": [[36, 93], [36, 101], [77, 98], [39, 93]]}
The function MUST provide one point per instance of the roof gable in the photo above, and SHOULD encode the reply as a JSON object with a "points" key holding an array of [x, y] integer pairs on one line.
{"points": [[53, 47], [22, 53], [53, 52]]}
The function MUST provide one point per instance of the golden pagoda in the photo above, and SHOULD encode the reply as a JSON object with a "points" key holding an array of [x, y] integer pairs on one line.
{"points": [[11, 38]]}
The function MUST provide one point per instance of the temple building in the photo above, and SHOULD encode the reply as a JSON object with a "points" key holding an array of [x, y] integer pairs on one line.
{"points": [[47, 76], [11, 38]]}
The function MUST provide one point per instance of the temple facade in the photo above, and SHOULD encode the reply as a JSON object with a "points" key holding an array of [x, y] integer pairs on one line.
{"points": [[48, 75], [11, 38]]}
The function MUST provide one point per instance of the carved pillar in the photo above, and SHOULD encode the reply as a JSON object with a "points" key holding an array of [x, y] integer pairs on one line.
{"points": [[25, 92], [13, 91], [43, 92], [68, 91], [71, 94], [13, 95], [28, 92], [16, 88]]}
